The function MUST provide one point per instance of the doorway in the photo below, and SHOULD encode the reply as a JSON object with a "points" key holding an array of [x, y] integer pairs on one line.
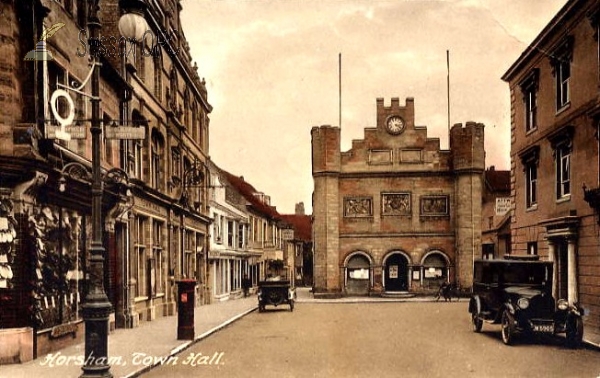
{"points": [[396, 273]]}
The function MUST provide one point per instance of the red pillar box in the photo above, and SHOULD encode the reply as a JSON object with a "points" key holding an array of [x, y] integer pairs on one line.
{"points": [[185, 309]]}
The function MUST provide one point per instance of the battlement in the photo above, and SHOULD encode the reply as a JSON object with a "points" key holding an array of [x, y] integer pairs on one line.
{"points": [[325, 148], [395, 105], [467, 146]]}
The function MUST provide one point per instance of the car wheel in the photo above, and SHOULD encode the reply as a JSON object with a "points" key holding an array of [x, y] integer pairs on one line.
{"points": [[574, 333], [477, 322], [508, 328]]}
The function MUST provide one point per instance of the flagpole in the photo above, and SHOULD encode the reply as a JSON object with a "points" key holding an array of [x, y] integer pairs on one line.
{"points": [[448, 91], [340, 88]]}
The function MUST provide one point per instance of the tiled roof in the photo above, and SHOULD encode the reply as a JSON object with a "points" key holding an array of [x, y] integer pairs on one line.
{"points": [[302, 225], [497, 181], [248, 191]]}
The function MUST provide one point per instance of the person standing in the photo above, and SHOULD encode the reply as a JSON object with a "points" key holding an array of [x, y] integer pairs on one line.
{"points": [[246, 284]]}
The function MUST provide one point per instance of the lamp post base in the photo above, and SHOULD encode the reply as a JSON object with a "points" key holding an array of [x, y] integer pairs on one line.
{"points": [[96, 315]]}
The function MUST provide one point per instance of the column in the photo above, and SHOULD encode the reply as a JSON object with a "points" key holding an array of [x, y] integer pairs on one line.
{"points": [[552, 258], [572, 272]]}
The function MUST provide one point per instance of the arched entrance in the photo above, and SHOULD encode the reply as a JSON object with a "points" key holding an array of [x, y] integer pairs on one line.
{"points": [[436, 269], [396, 272], [358, 275]]}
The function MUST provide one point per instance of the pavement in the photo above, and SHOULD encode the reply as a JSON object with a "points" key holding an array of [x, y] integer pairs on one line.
{"points": [[137, 350]]}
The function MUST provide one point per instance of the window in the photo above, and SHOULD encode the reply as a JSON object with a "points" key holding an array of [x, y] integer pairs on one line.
{"points": [[532, 248], [158, 72], [137, 159], [530, 159], [488, 251], [563, 74], [531, 185], [155, 163], [563, 172], [189, 255], [176, 163], [561, 68], [240, 236], [157, 255], [230, 236], [529, 87], [140, 253]]}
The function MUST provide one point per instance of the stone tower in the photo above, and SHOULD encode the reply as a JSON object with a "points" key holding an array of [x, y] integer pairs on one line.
{"points": [[468, 159], [326, 168]]}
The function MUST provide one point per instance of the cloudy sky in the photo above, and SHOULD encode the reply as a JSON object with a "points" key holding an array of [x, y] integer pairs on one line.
{"points": [[271, 69]]}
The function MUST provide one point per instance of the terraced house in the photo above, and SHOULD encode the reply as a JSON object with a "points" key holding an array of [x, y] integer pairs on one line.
{"points": [[154, 207], [555, 160]]}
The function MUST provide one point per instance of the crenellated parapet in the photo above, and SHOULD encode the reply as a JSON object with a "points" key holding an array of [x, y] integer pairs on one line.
{"points": [[326, 149], [467, 146]]}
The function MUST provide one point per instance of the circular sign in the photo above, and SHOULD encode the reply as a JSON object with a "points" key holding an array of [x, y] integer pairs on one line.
{"points": [[54, 104]]}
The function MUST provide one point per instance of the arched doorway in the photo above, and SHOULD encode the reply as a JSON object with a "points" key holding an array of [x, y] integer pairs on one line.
{"points": [[436, 269], [358, 275], [396, 272]]}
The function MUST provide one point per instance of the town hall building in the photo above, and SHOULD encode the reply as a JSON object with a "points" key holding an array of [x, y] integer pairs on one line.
{"points": [[396, 214]]}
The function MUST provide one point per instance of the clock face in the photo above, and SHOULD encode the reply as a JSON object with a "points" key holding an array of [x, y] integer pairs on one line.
{"points": [[394, 125]]}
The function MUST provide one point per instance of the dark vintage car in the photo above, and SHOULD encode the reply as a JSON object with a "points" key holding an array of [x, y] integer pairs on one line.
{"points": [[275, 292], [517, 293]]}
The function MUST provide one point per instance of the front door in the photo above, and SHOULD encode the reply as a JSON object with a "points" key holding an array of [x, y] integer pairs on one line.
{"points": [[396, 273]]}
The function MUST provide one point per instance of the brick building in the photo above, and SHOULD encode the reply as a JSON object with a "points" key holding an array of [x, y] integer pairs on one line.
{"points": [[495, 214], [155, 219], [555, 166], [395, 213]]}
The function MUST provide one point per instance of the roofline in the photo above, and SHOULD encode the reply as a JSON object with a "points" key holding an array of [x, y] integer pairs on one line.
{"points": [[541, 37]]}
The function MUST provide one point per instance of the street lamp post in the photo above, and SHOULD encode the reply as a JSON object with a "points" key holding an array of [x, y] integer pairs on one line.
{"points": [[96, 307]]}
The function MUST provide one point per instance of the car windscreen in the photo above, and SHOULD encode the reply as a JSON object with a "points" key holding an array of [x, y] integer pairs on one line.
{"points": [[525, 274]]}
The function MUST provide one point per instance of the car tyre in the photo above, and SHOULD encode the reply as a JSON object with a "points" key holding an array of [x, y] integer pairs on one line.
{"points": [[477, 322], [574, 333], [508, 328]]}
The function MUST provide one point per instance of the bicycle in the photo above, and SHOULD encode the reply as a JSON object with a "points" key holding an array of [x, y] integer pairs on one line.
{"points": [[448, 291]]}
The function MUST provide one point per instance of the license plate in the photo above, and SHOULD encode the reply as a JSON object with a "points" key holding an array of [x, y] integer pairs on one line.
{"points": [[543, 327]]}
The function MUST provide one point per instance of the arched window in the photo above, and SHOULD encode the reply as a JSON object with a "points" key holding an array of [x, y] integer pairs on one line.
{"points": [[358, 267], [435, 267]]}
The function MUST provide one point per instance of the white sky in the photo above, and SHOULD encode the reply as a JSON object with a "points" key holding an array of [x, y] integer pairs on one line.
{"points": [[271, 69]]}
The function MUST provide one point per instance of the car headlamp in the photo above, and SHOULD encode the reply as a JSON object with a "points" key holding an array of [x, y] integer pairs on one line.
{"points": [[523, 303], [562, 304]]}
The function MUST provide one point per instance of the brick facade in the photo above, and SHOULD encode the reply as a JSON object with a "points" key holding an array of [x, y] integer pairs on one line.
{"points": [[554, 155], [395, 213], [155, 229]]}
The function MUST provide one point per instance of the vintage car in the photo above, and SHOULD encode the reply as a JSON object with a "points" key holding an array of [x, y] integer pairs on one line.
{"points": [[275, 292], [517, 293]]}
